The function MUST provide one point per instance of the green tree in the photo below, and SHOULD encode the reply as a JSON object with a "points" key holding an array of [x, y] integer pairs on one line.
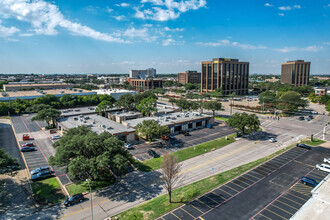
{"points": [[47, 99], [150, 129], [8, 164], [213, 106], [87, 154], [47, 115], [191, 86], [290, 102], [126, 101], [183, 104], [67, 100], [104, 106], [194, 105], [243, 122], [147, 106], [37, 107], [140, 96], [267, 97], [172, 101], [159, 91]]}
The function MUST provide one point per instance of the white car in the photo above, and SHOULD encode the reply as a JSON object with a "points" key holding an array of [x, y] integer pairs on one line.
{"points": [[128, 146], [323, 167], [326, 160], [272, 140], [56, 137]]}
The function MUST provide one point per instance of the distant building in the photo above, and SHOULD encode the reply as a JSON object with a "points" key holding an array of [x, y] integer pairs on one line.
{"points": [[27, 86], [142, 74], [321, 77], [189, 77], [230, 75], [116, 93], [273, 79], [146, 84], [322, 91], [295, 72]]}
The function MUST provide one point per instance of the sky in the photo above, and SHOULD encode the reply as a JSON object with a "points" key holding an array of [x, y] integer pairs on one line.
{"points": [[113, 36]]}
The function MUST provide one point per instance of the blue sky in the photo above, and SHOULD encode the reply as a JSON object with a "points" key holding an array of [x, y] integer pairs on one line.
{"points": [[113, 36]]}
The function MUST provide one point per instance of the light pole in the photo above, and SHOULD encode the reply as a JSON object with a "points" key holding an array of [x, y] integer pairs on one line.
{"points": [[90, 192], [324, 130]]}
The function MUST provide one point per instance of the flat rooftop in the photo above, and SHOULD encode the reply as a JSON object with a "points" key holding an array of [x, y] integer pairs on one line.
{"points": [[110, 91], [77, 111], [125, 113], [96, 122], [171, 118], [318, 206], [35, 93], [38, 84]]}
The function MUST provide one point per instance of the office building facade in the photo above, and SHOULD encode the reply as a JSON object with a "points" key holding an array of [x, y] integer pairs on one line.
{"points": [[189, 77], [295, 72], [146, 84], [230, 75], [142, 74]]}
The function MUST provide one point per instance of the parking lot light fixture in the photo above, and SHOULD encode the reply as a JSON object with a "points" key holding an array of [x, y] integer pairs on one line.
{"points": [[90, 192]]}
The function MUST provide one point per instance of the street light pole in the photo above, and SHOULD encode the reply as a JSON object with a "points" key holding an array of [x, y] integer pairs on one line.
{"points": [[324, 131], [90, 192]]}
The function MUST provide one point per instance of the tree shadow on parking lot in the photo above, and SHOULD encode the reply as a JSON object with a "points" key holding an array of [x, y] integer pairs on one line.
{"points": [[135, 186], [260, 136]]}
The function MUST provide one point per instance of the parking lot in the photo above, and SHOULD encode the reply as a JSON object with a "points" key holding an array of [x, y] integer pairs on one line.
{"points": [[42, 142], [196, 137], [269, 191]]}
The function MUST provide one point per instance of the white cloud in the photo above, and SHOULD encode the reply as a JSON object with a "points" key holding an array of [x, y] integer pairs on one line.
{"points": [[123, 4], [268, 5], [163, 10], [285, 8], [134, 34], [45, 17], [297, 6], [327, 43], [107, 9], [174, 29], [170, 41], [312, 48], [119, 18], [226, 42], [281, 14], [6, 32]]}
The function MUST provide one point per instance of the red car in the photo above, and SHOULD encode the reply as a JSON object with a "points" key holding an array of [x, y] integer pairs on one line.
{"points": [[28, 145], [52, 131]]}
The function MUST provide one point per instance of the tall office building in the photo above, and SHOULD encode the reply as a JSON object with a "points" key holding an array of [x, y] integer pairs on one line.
{"points": [[295, 72], [189, 77], [228, 74], [142, 74]]}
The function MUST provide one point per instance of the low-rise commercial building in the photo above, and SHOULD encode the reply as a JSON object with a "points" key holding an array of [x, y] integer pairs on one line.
{"points": [[177, 122], [120, 116], [33, 94], [27, 86], [98, 124], [189, 77], [116, 93], [322, 91], [146, 84]]}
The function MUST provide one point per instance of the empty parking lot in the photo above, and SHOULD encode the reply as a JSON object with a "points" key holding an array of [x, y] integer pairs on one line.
{"points": [[270, 191]]}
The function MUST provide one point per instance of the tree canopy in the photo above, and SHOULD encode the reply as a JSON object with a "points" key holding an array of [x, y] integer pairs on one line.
{"points": [[47, 115], [213, 106], [290, 102], [104, 106], [126, 101], [243, 122], [147, 106], [8, 164], [90, 155], [150, 129]]}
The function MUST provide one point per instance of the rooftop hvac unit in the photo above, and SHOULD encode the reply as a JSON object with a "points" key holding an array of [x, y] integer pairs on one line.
{"points": [[75, 118], [109, 128], [94, 122], [89, 125], [103, 126], [81, 116], [86, 118], [80, 90], [85, 121], [62, 92], [74, 90], [4, 94]]}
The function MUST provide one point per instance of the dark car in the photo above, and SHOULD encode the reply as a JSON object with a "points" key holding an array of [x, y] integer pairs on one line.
{"points": [[185, 133], [40, 169], [41, 175], [301, 118], [311, 116], [74, 199], [153, 153], [304, 146], [308, 181], [27, 149]]}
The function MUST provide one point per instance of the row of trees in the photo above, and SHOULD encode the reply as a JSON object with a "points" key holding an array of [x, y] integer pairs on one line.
{"points": [[280, 88], [184, 104]]}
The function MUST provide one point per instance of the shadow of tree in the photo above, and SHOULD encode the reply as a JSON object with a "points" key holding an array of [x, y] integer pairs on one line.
{"points": [[261, 136]]}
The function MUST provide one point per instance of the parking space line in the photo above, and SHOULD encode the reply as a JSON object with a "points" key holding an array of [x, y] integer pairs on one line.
{"points": [[271, 165], [303, 163], [231, 188], [226, 192], [175, 215], [242, 181], [222, 197], [317, 175], [287, 204], [202, 202], [266, 168], [275, 213], [211, 199], [252, 176], [282, 209], [249, 179], [257, 174], [201, 218], [263, 172], [187, 212], [296, 196], [238, 185], [291, 200], [265, 216], [302, 191], [196, 208]]}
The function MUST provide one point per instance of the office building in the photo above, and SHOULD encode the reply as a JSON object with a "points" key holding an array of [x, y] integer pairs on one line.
{"points": [[230, 75], [142, 74], [32, 86], [295, 72], [116, 93], [146, 84], [189, 77]]}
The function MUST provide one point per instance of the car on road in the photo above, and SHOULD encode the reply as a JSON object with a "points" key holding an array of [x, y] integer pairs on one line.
{"points": [[42, 175], [128, 146], [315, 112], [326, 160], [304, 146], [26, 137], [52, 131], [54, 137], [301, 118], [308, 181], [323, 167], [40, 169], [307, 119], [311, 116], [30, 144], [74, 199], [185, 133], [27, 149], [153, 153], [272, 140]]}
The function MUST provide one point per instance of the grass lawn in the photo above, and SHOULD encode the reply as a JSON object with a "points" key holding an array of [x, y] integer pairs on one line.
{"points": [[160, 205], [48, 191], [82, 186], [315, 142], [221, 118], [184, 154]]}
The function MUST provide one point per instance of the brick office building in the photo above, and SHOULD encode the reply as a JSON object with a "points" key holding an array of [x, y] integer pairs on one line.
{"points": [[295, 72], [189, 77]]}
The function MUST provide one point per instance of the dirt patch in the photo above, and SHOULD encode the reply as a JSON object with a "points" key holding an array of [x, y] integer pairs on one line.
{"points": [[147, 214]]}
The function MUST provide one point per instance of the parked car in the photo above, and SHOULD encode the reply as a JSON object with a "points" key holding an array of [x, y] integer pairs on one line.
{"points": [[27, 149], [172, 137], [52, 131], [323, 167], [315, 112], [128, 146], [164, 137], [311, 116], [56, 137], [301, 118], [326, 160], [308, 181], [153, 153], [40, 169], [74, 199], [209, 126], [307, 119], [304, 146], [41, 175], [29, 144], [26, 137], [272, 140], [185, 133]]}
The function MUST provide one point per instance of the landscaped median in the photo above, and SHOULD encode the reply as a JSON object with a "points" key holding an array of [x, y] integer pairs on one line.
{"points": [[184, 154], [221, 118], [315, 142], [47, 191], [160, 205]]}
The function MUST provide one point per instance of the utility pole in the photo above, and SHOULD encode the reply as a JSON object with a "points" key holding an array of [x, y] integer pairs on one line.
{"points": [[274, 112], [263, 104], [324, 130], [90, 192]]}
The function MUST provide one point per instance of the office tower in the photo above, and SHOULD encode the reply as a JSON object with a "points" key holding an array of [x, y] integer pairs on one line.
{"points": [[189, 77], [295, 72]]}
